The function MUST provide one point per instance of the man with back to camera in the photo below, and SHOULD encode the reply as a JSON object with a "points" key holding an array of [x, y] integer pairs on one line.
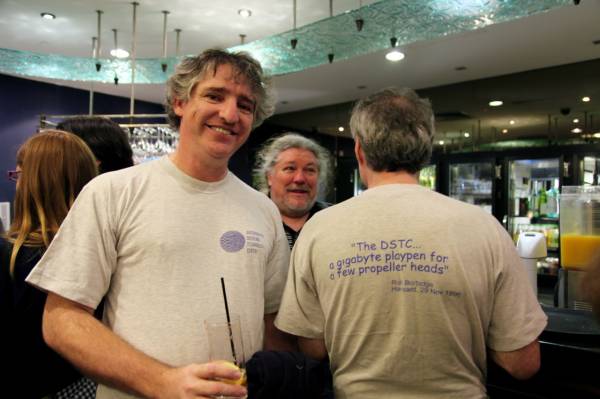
{"points": [[407, 290], [292, 170], [157, 237]]}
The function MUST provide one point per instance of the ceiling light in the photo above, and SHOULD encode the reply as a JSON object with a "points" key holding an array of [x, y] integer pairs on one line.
{"points": [[495, 103], [596, 135], [504, 131], [244, 12], [575, 120], [586, 99], [47, 15], [394, 56], [511, 122], [341, 129], [466, 134], [441, 142], [576, 130], [119, 53]]}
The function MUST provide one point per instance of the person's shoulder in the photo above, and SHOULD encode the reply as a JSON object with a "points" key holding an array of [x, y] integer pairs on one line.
{"points": [[238, 184], [126, 175]]}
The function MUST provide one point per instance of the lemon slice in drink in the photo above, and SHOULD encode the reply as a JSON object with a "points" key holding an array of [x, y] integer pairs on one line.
{"points": [[239, 381]]}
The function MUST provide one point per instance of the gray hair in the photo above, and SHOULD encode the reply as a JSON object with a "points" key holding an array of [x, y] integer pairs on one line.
{"points": [[192, 70], [266, 159], [395, 128]]}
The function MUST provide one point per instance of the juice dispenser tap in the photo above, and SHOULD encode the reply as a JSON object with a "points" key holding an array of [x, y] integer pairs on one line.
{"points": [[531, 247]]}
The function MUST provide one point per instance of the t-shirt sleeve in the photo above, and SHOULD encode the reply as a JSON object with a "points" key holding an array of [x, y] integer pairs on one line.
{"points": [[79, 262], [300, 312], [517, 317], [277, 267]]}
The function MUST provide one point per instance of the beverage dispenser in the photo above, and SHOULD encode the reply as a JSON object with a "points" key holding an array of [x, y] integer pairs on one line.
{"points": [[531, 247], [579, 240]]}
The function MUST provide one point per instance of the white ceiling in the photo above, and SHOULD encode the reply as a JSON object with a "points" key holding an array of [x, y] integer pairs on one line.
{"points": [[560, 36]]}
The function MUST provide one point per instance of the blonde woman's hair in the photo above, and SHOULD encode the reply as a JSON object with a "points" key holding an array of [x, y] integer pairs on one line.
{"points": [[55, 165]]}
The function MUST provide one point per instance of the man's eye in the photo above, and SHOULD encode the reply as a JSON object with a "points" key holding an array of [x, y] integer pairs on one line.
{"points": [[247, 108], [213, 97], [289, 168]]}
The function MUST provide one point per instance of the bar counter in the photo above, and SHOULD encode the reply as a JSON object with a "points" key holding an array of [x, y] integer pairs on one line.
{"points": [[570, 353]]}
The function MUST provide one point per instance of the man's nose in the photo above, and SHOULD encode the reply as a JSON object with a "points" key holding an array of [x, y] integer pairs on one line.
{"points": [[229, 111], [299, 176]]}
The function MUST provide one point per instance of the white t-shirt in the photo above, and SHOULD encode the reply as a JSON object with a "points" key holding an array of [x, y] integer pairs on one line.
{"points": [[408, 288], [156, 242]]}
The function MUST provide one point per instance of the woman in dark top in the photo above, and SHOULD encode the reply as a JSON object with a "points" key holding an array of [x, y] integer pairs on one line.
{"points": [[54, 166]]}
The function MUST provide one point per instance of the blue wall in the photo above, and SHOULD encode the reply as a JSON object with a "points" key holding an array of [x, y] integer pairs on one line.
{"points": [[22, 101]]}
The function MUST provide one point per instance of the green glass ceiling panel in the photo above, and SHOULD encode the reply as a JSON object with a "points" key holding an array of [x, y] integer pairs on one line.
{"points": [[409, 21]]}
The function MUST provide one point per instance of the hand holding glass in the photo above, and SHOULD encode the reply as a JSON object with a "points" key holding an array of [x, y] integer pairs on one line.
{"points": [[225, 342]]}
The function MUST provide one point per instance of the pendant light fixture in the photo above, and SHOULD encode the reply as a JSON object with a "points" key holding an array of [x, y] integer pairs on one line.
{"points": [[163, 64], [394, 55], [116, 51], [133, 40], [359, 21], [331, 55], [97, 52], [177, 41], [294, 41]]}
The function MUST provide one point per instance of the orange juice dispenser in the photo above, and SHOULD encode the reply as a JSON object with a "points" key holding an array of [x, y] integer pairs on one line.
{"points": [[579, 239]]}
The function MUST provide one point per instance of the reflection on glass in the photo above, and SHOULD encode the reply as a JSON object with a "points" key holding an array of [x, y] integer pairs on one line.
{"points": [[533, 198], [149, 142], [427, 177], [589, 171], [359, 186], [472, 183]]}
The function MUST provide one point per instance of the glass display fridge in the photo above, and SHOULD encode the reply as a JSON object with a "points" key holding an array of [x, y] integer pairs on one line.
{"points": [[473, 183], [533, 192]]}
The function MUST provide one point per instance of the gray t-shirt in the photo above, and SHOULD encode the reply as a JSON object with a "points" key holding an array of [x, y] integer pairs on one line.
{"points": [[408, 288], [156, 242]]}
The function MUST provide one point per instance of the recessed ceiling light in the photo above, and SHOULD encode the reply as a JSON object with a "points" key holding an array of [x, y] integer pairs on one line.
{"points": [[394, 56], [504, 131], [466, 134], [244, 12], [495, 103], [341, 128], [47, 15], [512, 122], [576, 130], [586, 99], [575, 120], [119, 53]]}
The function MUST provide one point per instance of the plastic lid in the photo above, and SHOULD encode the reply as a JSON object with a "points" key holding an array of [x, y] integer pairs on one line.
{"points": [[532, 245]]}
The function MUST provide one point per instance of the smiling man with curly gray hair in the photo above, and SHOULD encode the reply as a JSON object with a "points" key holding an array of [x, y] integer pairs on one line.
{"points": [[294, 171]]}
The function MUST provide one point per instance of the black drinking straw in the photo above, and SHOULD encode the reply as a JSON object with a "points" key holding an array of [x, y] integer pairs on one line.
{"points": [[228, 321]]}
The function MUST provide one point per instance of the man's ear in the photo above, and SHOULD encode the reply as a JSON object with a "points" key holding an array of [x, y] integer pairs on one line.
{"points": [[178, 106], [358, 152]]}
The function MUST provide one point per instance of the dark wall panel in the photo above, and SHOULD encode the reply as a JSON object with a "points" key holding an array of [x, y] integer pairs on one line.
{"points": [[22, 101]]}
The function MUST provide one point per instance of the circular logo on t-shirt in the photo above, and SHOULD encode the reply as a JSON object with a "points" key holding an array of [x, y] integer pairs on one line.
{"points": [[232, 241]]}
